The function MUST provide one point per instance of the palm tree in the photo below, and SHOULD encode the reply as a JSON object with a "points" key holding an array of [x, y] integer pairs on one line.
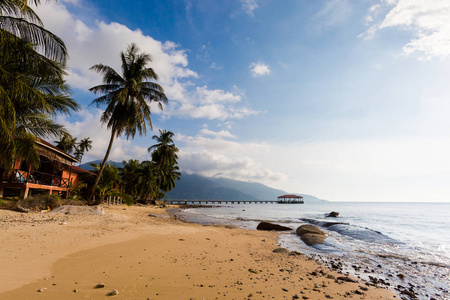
{"points": [[110, 178], [167, 178], [164, 153], [32, 88], [130, 176], [17, 18], [83, 146], [148, 181], [127, 97], [67, 144]]}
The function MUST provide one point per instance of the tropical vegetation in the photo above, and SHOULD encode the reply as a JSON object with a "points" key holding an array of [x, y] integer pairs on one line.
{"points": [[33, 92], [127, 97], [164, 156], [69, 144], [32, 86], [145, 181]]}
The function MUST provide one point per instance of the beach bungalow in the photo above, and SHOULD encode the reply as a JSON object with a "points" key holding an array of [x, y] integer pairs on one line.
{"points": [[290, 199], [55, 175]]}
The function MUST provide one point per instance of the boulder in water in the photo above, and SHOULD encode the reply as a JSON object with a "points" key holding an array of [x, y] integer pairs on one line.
{"points": [[272, 227], [311, 235], [309, 229], [333, 214], [311, 239]]}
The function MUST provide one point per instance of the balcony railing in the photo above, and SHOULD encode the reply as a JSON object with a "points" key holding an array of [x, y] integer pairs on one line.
{"points": [[19, 176]]}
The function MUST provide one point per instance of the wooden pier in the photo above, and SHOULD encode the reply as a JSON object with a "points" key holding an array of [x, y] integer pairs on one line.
{"points": [[207, 202]]}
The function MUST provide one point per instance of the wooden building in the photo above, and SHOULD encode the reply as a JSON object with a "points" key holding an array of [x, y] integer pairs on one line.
{"points": [[55, 175], [290, 199]]}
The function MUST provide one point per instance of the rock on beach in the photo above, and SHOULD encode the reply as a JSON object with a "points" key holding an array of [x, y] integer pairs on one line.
{"points": [[311, 235], [73, 209], [272, 227]]}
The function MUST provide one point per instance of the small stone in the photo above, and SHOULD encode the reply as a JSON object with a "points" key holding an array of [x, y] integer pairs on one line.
{"points": [[253, 271], [75, 291], [42, 289], [63, 223], [99, 286], [113, 293], [295, 297], [281, 250]]}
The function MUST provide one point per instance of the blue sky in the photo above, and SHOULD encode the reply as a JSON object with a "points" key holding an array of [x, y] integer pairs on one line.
{"points": [[345, 100]]}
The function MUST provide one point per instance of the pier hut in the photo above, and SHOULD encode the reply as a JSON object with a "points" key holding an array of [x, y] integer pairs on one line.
{"points": [[290, 199]]}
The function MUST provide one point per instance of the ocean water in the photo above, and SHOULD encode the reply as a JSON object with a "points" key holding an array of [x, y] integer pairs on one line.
{"points": [[402, 246]]}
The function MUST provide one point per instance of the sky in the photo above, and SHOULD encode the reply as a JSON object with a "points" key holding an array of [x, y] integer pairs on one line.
{"points": [[346, 100]]}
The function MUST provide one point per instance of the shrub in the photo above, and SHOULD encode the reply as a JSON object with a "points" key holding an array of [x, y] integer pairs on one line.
{"points": [[7, 203], [39, 202]]}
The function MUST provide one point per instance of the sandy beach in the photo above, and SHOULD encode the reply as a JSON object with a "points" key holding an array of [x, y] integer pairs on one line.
{"points": [[62, 256]]}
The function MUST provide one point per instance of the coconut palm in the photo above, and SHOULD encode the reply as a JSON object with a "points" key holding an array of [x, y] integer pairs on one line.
{"points": [[164, 153], [148, 181], [32, 88], [130, 176], [110, 178], [167, 178], [83, 146], [127, 97], [18, 18], [67, 144]]}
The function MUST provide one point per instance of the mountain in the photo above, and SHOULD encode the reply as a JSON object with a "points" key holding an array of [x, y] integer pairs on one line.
{"points": [[197, 187], [212, 188], [87, 167]]}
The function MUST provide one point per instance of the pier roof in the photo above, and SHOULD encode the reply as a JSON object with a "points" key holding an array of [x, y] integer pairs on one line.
{"points": [[290, 196]]}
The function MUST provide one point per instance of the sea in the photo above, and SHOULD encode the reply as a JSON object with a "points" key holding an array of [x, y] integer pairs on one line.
{"points": [[401, 246]]}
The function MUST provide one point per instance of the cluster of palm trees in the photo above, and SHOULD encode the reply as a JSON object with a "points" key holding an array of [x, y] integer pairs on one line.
{"points": [[144, 181], [33, 92], [69, 145], [32, 87]]}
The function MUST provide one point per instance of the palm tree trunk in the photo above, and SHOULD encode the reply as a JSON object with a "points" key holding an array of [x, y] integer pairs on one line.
{"points": [[97, 179]]}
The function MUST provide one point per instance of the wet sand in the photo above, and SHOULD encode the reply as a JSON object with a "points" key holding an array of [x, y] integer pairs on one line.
{"points": [[57, 256]]}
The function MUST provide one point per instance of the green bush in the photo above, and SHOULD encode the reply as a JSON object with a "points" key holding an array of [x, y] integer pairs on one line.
{"points": [[7, 203]]}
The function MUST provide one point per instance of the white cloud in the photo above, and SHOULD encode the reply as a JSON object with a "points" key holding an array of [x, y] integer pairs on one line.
{"points": [[379, 169], [218, 134], [103, 42], [333, 13], [249, 6], [427, 19], [210, 104], [259, 69], [214, 66], [216, 156]]}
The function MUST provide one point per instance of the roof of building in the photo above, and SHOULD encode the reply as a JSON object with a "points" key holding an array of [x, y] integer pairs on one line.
{"points": [[81, 170], [56, 149]]}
